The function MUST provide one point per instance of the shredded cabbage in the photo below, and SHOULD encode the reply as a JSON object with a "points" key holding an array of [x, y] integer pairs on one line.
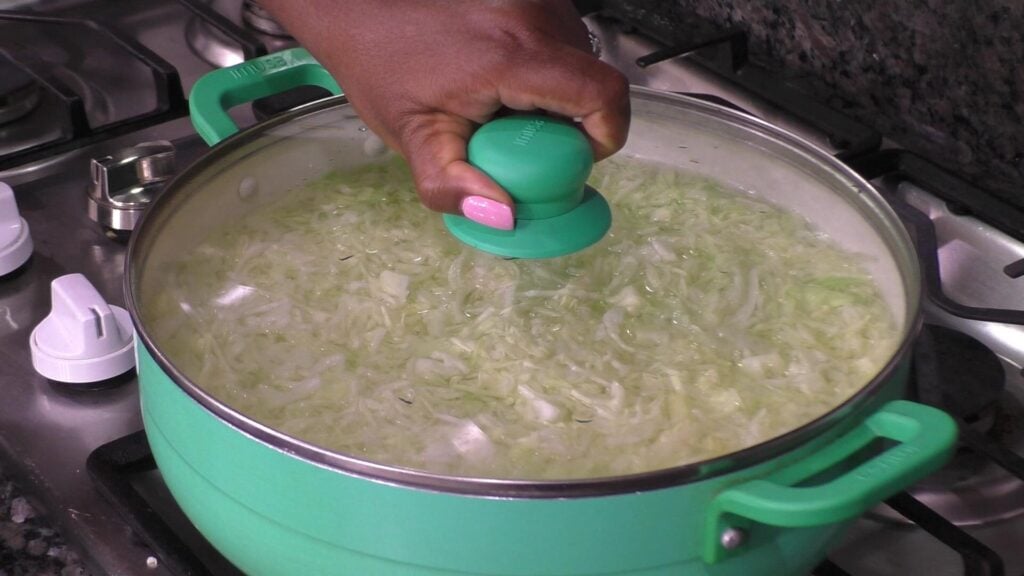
{"points": [[346, 316]]}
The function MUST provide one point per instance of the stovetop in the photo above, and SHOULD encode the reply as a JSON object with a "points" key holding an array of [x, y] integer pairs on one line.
{"points": [[79, 452]]}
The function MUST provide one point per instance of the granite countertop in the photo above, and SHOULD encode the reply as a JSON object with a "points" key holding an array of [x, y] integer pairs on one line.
{"points": [[938, 77], [28, 545]]}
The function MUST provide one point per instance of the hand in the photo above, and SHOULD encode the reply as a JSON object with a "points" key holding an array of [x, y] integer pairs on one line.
{"points": [[424, 75]]}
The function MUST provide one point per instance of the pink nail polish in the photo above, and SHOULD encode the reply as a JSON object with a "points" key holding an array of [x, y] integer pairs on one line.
{"points": [[487, 212]]}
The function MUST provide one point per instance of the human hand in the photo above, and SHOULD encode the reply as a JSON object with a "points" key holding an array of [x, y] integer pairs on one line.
{"points": [[424, 75]]}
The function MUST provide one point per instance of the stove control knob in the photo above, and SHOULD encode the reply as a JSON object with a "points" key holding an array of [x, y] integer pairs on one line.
{"points": [[125, 183], [84, 339], [15, 242]]}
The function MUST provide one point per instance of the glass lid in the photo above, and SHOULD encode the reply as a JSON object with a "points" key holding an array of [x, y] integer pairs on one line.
{"points": [[749, 287]]}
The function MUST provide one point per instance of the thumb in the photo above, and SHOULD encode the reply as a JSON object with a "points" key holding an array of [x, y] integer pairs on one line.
{"points": [[435, 147]]}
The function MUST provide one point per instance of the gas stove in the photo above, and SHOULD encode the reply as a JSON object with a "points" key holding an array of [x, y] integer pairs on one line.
{"points": [[93, 123]]}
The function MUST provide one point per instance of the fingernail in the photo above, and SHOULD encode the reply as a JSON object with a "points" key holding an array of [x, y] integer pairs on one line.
{"points": [[487, 212]]}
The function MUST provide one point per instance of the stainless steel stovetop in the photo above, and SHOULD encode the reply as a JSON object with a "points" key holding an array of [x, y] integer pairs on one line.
{"points": [[102, 96]]}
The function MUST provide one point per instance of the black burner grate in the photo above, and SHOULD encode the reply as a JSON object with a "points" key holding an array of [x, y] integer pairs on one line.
{"points": [[66, 116], [850, 137], [909, 167], [114, 467], [828, 568], [978, 559], [72, 124], [961, 196]]}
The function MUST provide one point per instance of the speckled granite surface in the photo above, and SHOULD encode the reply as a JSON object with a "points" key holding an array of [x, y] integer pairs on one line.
{"points": [[28, 545], [940, 77]]}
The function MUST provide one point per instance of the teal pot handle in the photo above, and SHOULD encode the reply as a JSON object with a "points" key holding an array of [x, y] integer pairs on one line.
{"points": [[923, 437], [218, 91]]}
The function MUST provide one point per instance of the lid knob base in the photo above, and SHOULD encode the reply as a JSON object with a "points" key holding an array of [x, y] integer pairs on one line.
{"points": [[543, 163]]}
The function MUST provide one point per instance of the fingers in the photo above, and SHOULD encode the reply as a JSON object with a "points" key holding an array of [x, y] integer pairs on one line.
{"points": [[434, 144], [574, 84], [561, 20]]}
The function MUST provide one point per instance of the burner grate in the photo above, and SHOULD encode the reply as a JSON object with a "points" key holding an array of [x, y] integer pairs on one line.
{"points": [[911, 168], [962, 197], [978, 559], [72, 123], [828, 568], [1001, 455], [851, 138], [114, 467], [736, 41], [77, 87]]}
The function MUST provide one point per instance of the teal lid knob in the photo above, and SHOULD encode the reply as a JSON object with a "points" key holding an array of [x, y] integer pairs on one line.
{"points": [[543, 163]]}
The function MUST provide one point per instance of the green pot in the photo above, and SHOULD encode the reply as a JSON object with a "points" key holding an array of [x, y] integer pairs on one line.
{"points": [[275, 505]]}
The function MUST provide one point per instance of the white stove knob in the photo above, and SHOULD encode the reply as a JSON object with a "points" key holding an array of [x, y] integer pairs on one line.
{"points": [[83, 339], [15, 242]]}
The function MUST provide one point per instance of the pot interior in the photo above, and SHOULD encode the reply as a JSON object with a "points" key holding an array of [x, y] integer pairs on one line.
{"points": [[265, 164]]}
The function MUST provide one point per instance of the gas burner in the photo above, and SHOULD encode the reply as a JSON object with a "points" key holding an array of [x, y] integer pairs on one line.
{"points": [[19, 92], [211, 44], [257, 18], [963, 377]]}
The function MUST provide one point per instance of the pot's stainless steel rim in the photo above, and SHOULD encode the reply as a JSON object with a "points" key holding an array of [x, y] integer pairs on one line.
{"points": [[855, 407]]}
